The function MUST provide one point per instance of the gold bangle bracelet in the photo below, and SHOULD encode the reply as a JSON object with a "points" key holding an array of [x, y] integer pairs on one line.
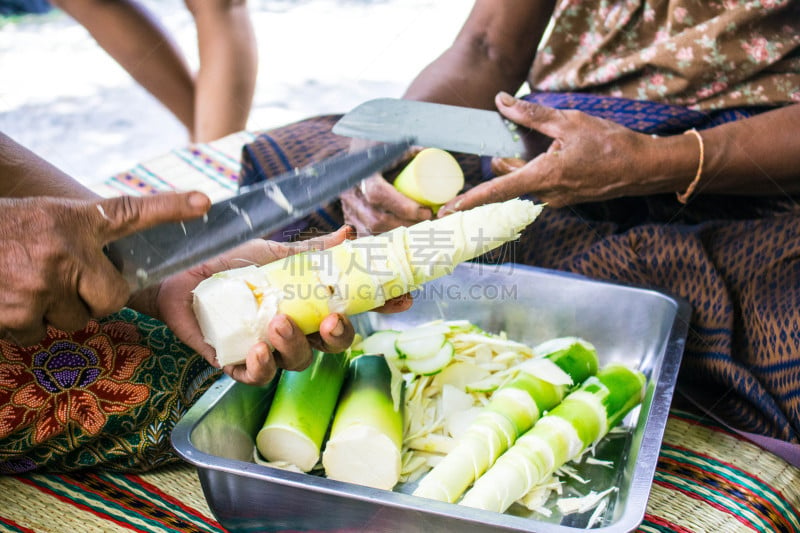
{"points": [[683, 197]]}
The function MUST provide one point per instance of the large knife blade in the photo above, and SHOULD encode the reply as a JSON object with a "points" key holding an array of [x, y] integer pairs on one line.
{"points": [[455, 128], [149, 256]]}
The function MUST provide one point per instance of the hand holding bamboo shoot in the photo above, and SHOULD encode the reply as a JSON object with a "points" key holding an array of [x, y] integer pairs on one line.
{"points": [[233, 308]]}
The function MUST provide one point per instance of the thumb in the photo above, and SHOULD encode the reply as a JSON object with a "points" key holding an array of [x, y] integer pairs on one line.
{"points": [[502, 166], [262, 252], [546, 120], [495, 190], [323, 242], [118, 217]]}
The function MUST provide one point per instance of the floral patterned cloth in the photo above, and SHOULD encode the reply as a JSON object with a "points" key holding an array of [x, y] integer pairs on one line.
{"points": [[701, 54], [108, 394]]}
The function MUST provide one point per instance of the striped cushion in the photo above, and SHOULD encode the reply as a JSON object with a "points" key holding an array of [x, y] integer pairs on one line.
{"points": [[707, 479]]}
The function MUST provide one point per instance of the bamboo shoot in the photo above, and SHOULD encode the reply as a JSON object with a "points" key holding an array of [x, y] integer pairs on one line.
{"points": [[584, 417], [234, 308]]}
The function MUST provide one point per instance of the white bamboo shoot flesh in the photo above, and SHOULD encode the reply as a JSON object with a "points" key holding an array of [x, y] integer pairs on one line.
{"points": [[432, 178], [539, 386]]}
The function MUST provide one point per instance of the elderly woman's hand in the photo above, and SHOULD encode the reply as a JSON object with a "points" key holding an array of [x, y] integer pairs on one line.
{"points": [[375, 206], [53, 268], [172, 303], [590, 159]]}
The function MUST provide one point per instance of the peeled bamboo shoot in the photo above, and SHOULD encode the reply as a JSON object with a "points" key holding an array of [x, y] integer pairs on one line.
{"points": [[585, 416], [234, 307]]}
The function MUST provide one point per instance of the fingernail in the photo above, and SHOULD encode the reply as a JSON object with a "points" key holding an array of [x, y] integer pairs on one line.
{"points": [[198, 200], [506, 99], [338, 329], [283, 327]]}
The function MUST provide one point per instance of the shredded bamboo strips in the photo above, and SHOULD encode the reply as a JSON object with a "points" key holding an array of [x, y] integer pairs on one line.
{"points": [[429, 416]]}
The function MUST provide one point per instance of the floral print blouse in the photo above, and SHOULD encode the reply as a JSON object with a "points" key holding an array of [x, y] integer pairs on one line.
{"points": [[703, 54]]}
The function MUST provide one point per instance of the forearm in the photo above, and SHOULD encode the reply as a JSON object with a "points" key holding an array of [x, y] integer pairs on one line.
{"points": [[463, 76], [754, 156], [493, 52], [228, 70], [24, 174], [129, 33]]}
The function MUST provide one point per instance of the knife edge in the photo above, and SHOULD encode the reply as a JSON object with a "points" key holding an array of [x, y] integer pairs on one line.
{"points": [[448, 127], [146, 257]]}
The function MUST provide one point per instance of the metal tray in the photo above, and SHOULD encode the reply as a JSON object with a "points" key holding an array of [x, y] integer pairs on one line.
{"points": [[640, 327]]}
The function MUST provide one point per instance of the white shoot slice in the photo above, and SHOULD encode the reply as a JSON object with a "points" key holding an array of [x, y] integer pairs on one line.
{"points": [[381, 342], [432, 364], [420, 343], [453, 400], [460, 374], [546, 370], [432, 178]]}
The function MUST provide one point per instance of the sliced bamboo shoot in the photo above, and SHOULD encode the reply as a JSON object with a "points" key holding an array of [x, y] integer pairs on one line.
{"points": [[367, 432], [432, 178], [301, 412], [583, 418], [540, 385]]}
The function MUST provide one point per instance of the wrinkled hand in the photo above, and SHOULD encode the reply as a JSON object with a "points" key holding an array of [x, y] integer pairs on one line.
{"points": [[292, 350], [376, 206], [53, 267], [590, 159]]}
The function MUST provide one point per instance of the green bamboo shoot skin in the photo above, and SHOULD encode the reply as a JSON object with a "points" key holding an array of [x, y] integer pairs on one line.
{"points": [[520, 403], [584, 417], [301, 411], [367, 432], [233, 308]]}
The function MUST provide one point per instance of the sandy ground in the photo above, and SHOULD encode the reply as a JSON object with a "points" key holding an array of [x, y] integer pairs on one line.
{"points": [[64, 98]]}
